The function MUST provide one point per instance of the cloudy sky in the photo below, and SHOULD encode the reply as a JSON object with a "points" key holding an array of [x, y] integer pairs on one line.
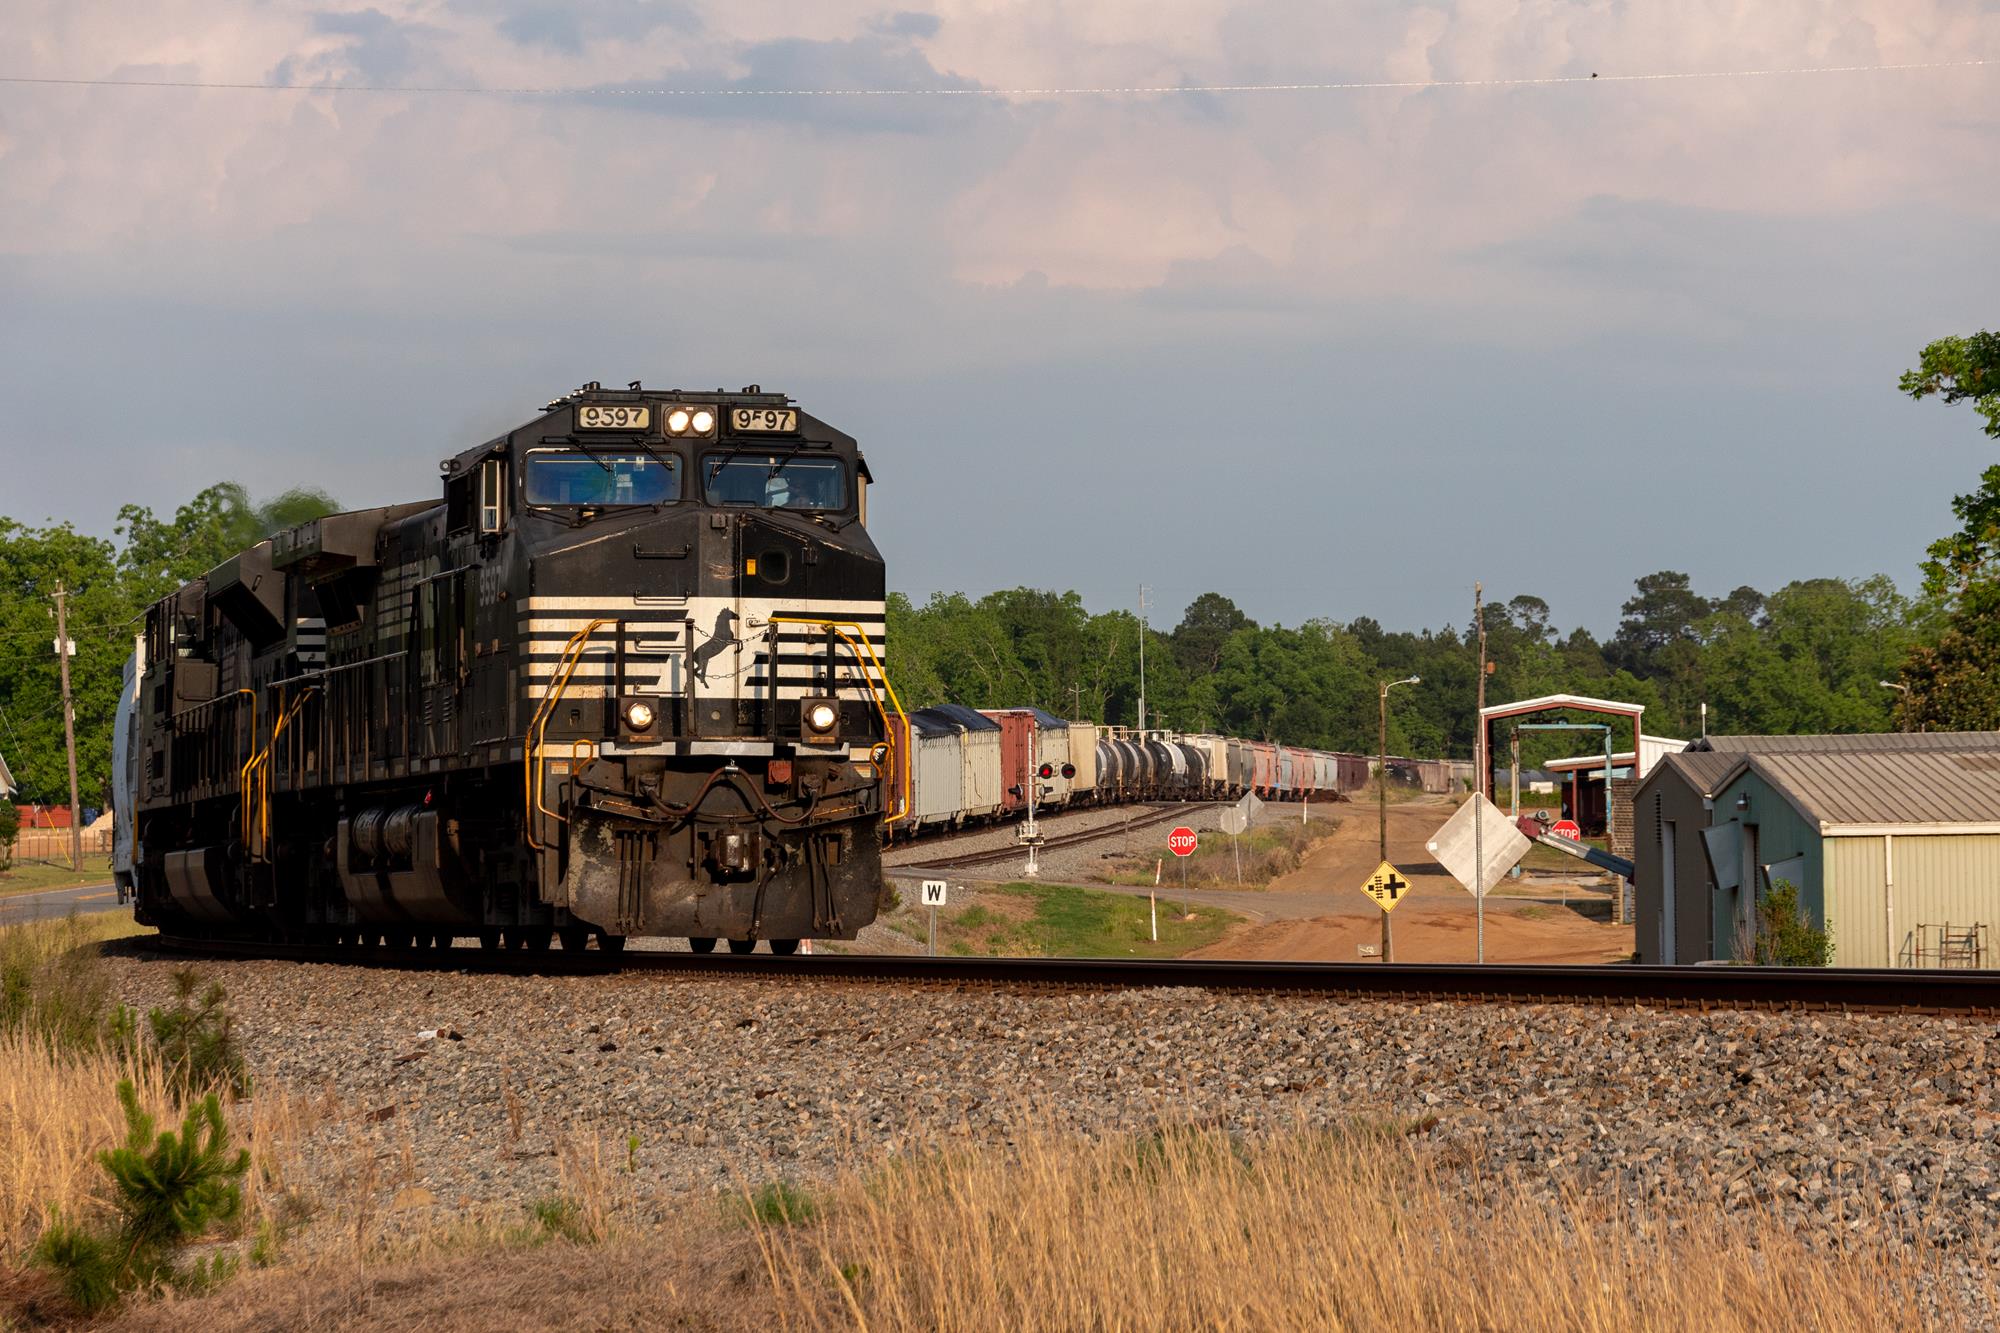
{"points": [[1330, 352]]}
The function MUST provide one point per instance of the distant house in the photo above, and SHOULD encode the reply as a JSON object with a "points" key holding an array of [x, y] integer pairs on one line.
{"points": [[1893, 841], [7, 788]]}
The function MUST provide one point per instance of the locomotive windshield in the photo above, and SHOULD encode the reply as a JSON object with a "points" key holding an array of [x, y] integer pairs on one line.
{"points": [[780, 481], [572, 477]]}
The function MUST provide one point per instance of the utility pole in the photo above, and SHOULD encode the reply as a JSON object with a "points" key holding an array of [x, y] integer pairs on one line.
{"points": [[1144, 591], [1483, 772], [63, 649], [1382, 801]]}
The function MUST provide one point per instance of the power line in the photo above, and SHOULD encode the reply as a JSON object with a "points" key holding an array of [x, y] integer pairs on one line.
{"points": [[1109, 90]]}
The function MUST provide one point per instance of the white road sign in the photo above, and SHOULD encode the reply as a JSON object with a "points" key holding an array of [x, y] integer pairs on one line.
{"points": [[934, 890], [1238, 818], [1504, 845]]}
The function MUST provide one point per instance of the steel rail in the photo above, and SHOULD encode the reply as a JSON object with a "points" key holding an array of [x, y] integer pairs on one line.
{"points": [[1942, 992]]}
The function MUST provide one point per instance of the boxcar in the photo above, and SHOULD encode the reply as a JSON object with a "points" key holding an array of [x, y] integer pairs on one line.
{"points": [[936, 771], [979, 737]]}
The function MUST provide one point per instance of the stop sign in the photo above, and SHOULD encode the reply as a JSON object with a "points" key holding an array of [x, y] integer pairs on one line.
{"points": [[1181, 841], [1566, 828]]}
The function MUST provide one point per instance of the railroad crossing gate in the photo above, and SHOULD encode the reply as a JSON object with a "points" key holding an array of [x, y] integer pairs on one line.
{"points": [[1386, 886], [934, 890], [1181, 841]]}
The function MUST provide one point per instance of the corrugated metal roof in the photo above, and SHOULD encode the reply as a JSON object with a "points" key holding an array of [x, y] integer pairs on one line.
{"points": [[1884, 788], [1851, 744], [1702, 770]]}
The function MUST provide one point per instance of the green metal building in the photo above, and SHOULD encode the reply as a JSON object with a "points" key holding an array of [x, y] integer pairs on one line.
{"points": [[1892, 840]]}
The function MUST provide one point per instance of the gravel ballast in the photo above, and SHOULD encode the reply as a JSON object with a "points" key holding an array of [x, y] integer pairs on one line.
{"points": [[1841, 1122]]}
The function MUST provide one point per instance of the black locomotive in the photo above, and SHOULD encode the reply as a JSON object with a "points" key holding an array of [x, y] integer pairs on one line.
{"points": [[622, 678]]}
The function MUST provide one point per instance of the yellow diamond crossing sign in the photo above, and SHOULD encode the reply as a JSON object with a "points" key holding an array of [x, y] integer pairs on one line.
{"points": [[1386, 886]]}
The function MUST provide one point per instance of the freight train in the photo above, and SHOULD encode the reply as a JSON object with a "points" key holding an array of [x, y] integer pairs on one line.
{"points": [[612, 679], [962, 766]]}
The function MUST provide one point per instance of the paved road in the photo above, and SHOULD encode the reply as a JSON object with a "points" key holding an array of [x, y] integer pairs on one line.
{"points": [[16, 908]]}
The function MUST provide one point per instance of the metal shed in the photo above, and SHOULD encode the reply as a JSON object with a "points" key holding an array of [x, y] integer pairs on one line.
{"points": [[1892, 840]]}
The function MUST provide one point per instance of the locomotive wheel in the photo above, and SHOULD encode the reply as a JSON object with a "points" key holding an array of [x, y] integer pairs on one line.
{"points": [[489, 939], [703, 943], [784, 947], [538, 938], [611, 943], [742, 946], [575, 939]]}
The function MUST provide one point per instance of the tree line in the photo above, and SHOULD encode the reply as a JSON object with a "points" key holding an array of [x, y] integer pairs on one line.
{"points": [[1807, 657], [1811, 656]]}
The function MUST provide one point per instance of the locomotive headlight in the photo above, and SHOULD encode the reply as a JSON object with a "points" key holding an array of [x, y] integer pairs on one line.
{"points": [[677, 421], [820, 717], [638, 715], [703, 421]]}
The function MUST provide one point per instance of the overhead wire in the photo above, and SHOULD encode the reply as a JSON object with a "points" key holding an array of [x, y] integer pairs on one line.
{"points": [[1106, 90]]}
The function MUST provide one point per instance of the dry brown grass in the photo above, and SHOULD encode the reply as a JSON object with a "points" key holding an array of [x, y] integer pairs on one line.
{"points": [[1192, 1230], [58, 1109], [59, 1101], [1181, 1230]]}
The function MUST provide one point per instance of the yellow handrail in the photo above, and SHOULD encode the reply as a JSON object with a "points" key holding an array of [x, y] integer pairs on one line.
{"points": [[243, 806], [254, 780], [840, 628], [531, 757]]}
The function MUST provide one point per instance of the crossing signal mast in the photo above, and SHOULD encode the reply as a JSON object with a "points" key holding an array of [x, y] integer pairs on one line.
{"points": [[1039, 773]]}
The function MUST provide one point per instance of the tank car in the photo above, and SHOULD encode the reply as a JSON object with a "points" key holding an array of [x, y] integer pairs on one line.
{"points": [[621, 676]]}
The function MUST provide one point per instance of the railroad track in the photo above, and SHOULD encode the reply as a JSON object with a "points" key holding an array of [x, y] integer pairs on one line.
{"points": [[1158, 812], [1944, 992]]}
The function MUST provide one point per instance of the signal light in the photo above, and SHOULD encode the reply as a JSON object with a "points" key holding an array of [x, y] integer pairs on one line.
{"points": [[1048, 770], [1069, 770]]}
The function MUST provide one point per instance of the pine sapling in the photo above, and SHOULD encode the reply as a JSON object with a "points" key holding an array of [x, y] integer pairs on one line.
{"points": [[170, 1189]]}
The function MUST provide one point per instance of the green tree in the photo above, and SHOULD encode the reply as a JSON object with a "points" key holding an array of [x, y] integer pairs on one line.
{"points": [[1954, 683], [102, 619], [1205, 627], [1951, 682]]}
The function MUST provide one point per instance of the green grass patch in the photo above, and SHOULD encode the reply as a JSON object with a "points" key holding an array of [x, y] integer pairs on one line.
{"points": [[41, 876], [778, 1203], [1060, 921]]}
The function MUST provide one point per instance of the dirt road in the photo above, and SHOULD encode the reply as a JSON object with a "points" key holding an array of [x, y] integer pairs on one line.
{"points": [[1434, 923]]}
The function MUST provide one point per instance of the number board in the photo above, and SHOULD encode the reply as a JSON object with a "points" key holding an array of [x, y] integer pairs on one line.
{"points": [[764, 420], [934, 890], [1386, 886], [614, 416]]}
